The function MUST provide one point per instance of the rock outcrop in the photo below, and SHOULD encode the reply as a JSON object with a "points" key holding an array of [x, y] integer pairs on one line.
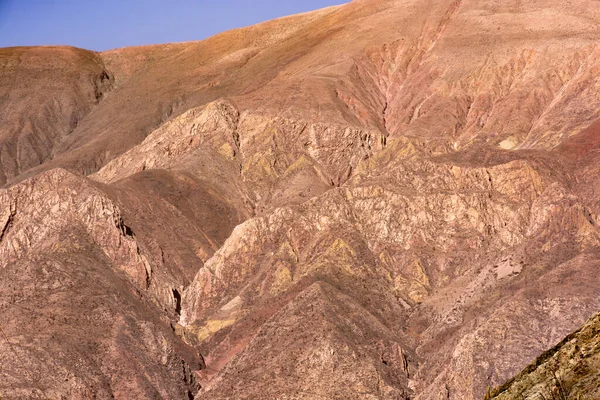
{"points": [[569, 370]]}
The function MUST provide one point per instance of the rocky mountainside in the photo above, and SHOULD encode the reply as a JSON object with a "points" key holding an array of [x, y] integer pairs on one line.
{"points": [[389, 199], [570, 370]]}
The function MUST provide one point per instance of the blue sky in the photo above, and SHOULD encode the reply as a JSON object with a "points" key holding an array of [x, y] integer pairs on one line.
{"points": [[107, 24]]}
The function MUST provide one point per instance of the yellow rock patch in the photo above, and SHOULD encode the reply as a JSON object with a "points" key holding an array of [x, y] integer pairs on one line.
{"points": [[213, 326], [416, 285], [262, 166], [301, 163], [227, 151], [418, 273], [340, 247], [283, 279]]}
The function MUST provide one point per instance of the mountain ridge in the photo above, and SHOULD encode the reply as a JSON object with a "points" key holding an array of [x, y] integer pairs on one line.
{"points": [[366, 201]]}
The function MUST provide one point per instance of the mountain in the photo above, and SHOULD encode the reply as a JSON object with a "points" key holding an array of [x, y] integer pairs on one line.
{"points": [[389, 199]]}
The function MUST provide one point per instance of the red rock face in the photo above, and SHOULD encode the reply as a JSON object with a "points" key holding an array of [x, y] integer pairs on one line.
{"points": [[386, 199]]}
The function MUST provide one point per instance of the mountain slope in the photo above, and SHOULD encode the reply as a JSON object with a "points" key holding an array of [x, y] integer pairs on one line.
{"points": [[567, 371], [370, 195], [44, 94]]}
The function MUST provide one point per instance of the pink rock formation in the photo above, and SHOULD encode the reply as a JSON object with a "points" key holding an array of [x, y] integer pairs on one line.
{"points": [[390, 199]]}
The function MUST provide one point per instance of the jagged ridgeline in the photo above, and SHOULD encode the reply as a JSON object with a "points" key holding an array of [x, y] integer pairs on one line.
{"points": [[381, 200]]}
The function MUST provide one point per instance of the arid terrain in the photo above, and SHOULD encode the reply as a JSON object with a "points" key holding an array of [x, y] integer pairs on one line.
{"points": [[570, 370], [388, 199]]}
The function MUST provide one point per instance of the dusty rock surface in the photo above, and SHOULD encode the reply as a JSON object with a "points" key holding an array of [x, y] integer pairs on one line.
{"points": [[390, 199], [76, 321], [569, 370]]}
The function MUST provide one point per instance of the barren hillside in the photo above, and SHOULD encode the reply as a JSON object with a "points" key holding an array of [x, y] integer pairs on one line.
{"points": [[389, 199]]}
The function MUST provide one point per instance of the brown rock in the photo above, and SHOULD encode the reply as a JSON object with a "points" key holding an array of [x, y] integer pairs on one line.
{"points": [[386, 199]]}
